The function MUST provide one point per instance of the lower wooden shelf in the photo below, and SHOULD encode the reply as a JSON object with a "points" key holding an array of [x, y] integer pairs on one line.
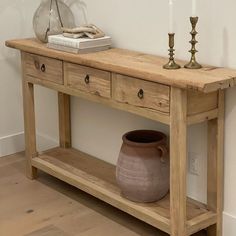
{"points": [[97, 178]]}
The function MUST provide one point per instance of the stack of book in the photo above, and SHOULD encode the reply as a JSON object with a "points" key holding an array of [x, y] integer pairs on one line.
{"points": [[79, 45]]}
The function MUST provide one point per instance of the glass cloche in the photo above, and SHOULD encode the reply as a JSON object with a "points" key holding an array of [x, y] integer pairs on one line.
{"points": [[50, 17]]}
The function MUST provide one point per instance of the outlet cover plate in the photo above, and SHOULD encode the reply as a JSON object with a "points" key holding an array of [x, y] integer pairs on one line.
{"points": [[193, 165]]}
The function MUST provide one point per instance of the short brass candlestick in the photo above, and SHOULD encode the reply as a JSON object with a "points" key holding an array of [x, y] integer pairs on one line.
{"points": [[171, 65], [193, 64]]}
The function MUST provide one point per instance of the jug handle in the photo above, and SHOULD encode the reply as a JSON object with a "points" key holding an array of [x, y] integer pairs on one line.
{"points": [[163, 151]]}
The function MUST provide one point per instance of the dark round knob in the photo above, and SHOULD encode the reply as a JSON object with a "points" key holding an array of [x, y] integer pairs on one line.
{"points": [[141, 94], [43, 68], [86, 79]]}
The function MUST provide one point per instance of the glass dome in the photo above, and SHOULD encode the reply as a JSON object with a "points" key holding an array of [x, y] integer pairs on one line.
{"points": [[50, 17]]}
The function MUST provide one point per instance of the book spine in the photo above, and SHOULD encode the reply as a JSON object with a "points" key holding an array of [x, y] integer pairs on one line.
{"points": [[62, 48], [66, 43], [98, 43]]}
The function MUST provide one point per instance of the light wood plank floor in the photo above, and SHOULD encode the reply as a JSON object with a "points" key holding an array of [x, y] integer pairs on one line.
{"points": [[49, 207]]}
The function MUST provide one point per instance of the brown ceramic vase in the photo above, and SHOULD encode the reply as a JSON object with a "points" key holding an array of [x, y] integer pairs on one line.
{"points": [[143, 169]]}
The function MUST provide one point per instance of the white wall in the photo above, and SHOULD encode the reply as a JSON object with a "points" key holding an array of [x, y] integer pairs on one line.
{"points": [[138, 25], [15, 22]]}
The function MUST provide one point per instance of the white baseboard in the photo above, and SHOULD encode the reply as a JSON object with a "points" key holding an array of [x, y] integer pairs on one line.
{"points": [[11, 144], [15, 143], [229, 224]]}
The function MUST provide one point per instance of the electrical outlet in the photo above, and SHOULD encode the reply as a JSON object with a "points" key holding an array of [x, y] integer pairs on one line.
{"points": [[194, 163]]}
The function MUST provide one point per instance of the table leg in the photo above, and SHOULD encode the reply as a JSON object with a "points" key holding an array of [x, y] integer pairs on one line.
{"points": [[64, 120], [30, 131], [215, 175], [178, 161]]}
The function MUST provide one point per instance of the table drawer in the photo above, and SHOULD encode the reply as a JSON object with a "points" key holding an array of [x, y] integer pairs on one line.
{"points": [[88, 79], [43, 68], [141, 93]]}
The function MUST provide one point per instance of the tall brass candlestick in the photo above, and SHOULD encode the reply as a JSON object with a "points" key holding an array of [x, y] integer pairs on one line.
{"points": [[171, 65], [193, 64]]}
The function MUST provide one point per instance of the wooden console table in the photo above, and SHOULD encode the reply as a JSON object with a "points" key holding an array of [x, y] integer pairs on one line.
{"points": [[136, 83]]}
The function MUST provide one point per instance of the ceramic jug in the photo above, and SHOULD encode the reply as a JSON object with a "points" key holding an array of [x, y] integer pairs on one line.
{"points": [[143, 170]]}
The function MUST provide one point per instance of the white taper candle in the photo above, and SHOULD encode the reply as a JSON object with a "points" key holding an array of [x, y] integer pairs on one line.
{"points": [[194, 8], [171, 18]]}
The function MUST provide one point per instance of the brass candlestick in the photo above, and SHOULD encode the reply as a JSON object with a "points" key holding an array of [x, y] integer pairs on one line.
{"points": [[193, 64], [171, 65]]}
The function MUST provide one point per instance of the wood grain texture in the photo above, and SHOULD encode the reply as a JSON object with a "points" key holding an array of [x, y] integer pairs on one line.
{"points": [[176, 99], [178, 161], [201, 117], [99, 82], [97, 178], [54, 208], [49, 230], [155, 96], [43, 67], [64, 120], [140, 65], [29, 121], [201, 222], [215, 170], [199, 102], [148, 113]]}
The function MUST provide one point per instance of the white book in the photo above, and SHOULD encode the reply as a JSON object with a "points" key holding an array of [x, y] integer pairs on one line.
{"points": [[80, 43], [76, 50]]}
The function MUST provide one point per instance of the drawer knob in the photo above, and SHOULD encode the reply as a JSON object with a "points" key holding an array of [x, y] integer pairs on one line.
{"points": [[86, 79], [43, 68], [140, 94]]}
